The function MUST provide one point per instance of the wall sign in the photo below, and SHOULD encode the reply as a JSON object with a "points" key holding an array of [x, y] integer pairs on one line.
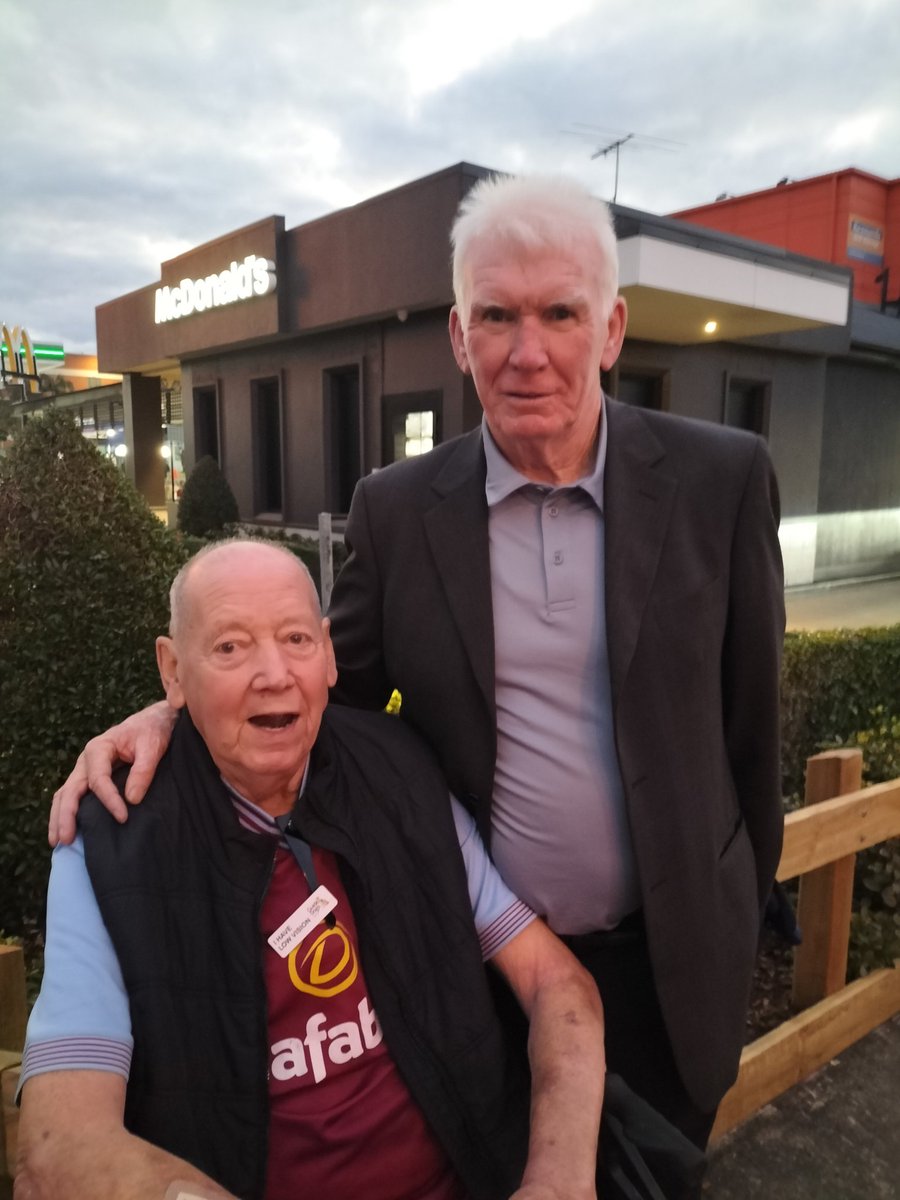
{"points": [[255, 276], [865, 241]]}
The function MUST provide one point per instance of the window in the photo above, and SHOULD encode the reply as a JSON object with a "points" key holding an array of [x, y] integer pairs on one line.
{"points": [[265, 404], [410, 425], [746, 404], [342, 428], [642, 387], [206, 423]]}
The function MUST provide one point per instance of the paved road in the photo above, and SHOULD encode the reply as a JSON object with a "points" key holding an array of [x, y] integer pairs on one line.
{"points": [[844, 606], [834, 1137]]}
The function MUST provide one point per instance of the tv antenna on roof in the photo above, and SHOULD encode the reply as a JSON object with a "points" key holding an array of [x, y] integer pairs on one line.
{"points": [[639, 140]]}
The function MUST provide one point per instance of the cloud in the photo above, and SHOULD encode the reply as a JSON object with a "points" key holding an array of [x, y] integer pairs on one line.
{"points": [[132, 133]]}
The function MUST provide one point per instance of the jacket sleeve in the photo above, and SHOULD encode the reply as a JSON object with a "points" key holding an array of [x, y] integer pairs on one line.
{"points": [[751, 666], [356, 613]]}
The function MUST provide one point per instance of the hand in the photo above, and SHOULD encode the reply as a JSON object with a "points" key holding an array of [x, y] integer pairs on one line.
{"points": [[542, 1191], [140, 739]]}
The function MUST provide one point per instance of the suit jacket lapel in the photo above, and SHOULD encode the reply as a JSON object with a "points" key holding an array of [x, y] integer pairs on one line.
{"points": [[456, 527], [638, 494]]}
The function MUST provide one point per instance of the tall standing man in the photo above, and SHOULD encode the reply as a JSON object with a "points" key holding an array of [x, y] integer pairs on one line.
{"points": [[582, 606]]}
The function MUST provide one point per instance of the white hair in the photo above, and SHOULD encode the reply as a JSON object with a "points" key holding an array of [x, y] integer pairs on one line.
{"points": [[534, 212], [178, 590]]}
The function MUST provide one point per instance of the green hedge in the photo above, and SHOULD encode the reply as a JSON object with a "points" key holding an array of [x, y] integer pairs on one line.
{"points": [[207, 503], [84, 574], [843, 689], [832, 683]]}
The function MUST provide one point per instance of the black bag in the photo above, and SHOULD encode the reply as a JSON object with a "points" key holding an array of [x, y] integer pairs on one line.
{"points": [[642, 1155]]}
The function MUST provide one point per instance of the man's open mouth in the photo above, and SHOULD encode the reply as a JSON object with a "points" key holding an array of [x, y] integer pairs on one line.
{"points": [[273, 720]]}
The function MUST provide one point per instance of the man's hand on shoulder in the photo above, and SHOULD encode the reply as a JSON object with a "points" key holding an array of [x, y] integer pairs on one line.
{"points": [[140, 739]]}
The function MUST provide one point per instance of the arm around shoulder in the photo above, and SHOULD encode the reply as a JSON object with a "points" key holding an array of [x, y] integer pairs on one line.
{"points": [[73, 1144], [140, 739]]}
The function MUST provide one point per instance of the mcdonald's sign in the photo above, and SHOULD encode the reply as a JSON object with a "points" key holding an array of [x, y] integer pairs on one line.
{"points": [[17, 360]]}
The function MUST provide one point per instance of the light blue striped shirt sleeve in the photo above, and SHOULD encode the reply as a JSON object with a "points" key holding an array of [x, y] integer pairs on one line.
{"points": [[499, 915], [81, 1019]]}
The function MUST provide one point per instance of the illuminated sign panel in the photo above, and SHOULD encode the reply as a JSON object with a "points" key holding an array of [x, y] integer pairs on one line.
{"points": [[255, 276], [17, 358], [865, 241]]}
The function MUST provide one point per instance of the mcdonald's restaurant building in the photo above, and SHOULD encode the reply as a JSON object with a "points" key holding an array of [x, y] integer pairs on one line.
{"points": [[303, 358]]}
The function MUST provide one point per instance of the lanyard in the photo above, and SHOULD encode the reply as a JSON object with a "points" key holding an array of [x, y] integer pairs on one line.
{"points": [[302, 852]]}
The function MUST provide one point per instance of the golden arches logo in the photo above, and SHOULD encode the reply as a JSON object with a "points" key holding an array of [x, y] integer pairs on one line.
{"points": [[318, 980]]}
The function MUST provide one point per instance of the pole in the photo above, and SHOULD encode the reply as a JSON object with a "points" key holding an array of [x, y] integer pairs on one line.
{"points": [[326, 559]]}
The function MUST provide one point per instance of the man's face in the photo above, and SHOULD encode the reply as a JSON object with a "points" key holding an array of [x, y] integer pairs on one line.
{"points": [[535, 337], [253, 662]]}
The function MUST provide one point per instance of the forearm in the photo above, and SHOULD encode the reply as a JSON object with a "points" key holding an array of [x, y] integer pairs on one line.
{"points": [[114, 1172], [72, 1145], [115, 1166], [565, 1050]]}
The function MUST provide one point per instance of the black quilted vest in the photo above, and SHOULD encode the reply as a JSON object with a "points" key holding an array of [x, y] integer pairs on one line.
{"points": [[180, 887]]}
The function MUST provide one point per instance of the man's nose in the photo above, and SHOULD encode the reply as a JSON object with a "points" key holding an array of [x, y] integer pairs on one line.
{"points": [[271, 668], [528, 350]]}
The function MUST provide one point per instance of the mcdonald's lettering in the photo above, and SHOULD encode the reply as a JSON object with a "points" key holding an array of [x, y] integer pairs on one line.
{"points": [[255, 276]]}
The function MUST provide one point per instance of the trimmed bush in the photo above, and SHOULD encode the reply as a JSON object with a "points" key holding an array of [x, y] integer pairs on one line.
{"points": [[207, 503], [84, 573], [830, 684], [843, 689]]}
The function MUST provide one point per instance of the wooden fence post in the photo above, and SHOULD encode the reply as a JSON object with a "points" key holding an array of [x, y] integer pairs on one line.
{"points": [[13, 1009], [826, 894], [13, 1018]]}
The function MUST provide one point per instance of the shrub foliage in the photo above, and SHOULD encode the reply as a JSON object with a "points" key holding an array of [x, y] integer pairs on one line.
{"points": [[84, 573], [830, 683], [843, 689], [207, 503]]}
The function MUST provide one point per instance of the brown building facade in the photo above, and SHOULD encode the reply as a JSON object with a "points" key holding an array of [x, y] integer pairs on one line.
{"points": [[305, 358]]}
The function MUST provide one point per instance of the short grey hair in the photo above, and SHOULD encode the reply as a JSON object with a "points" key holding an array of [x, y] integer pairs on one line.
{"points": [[534, 211], [177, 592]]}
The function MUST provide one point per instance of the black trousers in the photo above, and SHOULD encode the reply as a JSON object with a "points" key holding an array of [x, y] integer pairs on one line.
{"points": [[637, 1044]]}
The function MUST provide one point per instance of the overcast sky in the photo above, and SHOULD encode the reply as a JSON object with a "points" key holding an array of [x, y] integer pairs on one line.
{"points": [[133, 131]]}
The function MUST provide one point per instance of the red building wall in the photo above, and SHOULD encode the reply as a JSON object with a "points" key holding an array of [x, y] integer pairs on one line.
{"points": [[849, 218]]}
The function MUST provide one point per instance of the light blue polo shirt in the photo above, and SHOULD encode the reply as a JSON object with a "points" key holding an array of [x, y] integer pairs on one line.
{"points": [[560, 832]]}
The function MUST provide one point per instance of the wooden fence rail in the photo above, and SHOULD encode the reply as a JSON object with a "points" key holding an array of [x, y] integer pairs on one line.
{"points": [[821, 841]]}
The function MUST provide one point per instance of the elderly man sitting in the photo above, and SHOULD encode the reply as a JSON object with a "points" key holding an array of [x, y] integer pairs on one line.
{"points": [[268, 983]]}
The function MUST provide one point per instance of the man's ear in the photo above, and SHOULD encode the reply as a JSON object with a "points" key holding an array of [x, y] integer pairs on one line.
{"points": [[615, 333], [167, 661], [457, 341], [329, 652]]}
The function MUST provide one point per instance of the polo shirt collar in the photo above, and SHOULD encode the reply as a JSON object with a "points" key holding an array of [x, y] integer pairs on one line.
{"points": [[502, 478]]}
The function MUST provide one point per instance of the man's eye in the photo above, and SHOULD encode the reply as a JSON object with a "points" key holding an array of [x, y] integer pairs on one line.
{"points": [[495, 315], [225, 648], [559, 312], [301, 640]]}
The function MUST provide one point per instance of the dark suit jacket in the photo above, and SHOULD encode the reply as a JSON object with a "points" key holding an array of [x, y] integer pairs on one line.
{"points": [[695, 619]]}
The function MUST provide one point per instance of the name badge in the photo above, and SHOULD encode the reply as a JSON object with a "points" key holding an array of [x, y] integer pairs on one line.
{"points": [[299, 923]]}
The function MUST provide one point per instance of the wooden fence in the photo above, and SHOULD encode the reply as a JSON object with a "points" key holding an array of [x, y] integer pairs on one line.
{"points": [[12, 1038], [821, 841]]}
